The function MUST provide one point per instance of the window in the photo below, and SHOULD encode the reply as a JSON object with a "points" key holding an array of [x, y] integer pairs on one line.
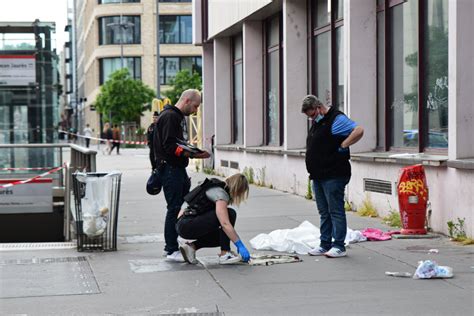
{"points": [[176, 29], [170, 66], [237, 90], [273, 99], [117, 1], [118, 30], [175, 0], [109, 65], [327, 79], [412, 82]]}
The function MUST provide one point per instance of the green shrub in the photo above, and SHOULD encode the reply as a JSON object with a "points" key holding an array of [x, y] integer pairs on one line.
{"points": [[393, 219], [309, 190], [367, 208]]}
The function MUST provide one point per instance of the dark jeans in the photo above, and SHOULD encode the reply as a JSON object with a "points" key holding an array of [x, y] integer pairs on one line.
{"points": [[206, 229], [330, 202], [88, 140], [176, 184]]}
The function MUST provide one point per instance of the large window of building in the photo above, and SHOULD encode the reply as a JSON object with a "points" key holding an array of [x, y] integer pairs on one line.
{"points": [[327, 51], [119, 30], [117, 1], [274, 82], [412, 83], [110, 65], [176, 29], [237, 91], [170, 66]]}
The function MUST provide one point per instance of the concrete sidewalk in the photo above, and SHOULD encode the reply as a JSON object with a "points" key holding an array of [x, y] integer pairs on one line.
{"points": [[135, 280]]}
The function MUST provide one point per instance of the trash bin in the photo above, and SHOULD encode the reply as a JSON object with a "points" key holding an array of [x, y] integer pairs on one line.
{"points": [[413, 199], [96, 197]]}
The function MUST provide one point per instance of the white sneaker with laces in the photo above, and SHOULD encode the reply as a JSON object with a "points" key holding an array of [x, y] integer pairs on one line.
{"points": [[229, 258], [335, 253], [317, 251], [188, 252], [175, 256]]}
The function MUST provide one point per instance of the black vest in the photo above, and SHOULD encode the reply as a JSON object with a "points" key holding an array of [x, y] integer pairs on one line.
{"points": [[197, 199], [323, 160]]}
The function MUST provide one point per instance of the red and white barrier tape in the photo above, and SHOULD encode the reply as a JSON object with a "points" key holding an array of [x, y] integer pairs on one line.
{"points": [[32, 179], [22, 169], [110, 140]]}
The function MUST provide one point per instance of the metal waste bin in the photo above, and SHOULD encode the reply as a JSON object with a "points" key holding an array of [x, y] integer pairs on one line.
{"points": [[96, 197]]}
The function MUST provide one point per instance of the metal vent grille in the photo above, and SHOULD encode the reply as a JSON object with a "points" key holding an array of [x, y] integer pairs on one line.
{"points": [[379, 186], [234, 165], [224, 163]]}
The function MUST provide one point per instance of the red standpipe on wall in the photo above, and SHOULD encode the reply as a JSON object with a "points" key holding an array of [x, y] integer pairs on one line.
{"points": [[413, 199]]}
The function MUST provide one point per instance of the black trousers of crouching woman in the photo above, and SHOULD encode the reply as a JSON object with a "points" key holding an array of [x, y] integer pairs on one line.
{"points": [[206, 229]]}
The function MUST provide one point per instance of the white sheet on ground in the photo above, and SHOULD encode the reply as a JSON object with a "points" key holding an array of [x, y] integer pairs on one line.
{"points": [[297, 240]]}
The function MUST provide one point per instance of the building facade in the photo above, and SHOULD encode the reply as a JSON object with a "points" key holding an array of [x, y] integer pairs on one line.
{"points": [[115, 34], [399, 68]]}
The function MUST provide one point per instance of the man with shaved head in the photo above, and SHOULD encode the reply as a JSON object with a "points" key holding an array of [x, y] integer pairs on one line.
{"points": [[172, 160]]}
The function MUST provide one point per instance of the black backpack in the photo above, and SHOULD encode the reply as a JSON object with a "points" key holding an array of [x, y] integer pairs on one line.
{"points": [[198, 202]]}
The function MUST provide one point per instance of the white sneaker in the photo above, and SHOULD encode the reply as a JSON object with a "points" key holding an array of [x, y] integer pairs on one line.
{"points": [[335, 253], [229, 258], [318, 251], [175, 256], [188, 253]]}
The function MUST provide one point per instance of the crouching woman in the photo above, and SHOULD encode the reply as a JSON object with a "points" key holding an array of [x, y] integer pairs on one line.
{"points": [[210, 222]]}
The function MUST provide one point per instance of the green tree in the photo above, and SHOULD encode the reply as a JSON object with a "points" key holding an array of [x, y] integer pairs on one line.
{"points": [[184, 80], [123, 98]]}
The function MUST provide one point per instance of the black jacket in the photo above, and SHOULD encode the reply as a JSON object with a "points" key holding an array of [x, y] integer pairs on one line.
{"points": [[171, 126], [323, 160]]}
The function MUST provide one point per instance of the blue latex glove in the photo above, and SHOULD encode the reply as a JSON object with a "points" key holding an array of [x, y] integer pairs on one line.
{"points": [[343, 150], [243, 252]]}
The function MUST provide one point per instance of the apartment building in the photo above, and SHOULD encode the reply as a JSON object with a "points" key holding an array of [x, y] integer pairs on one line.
{"points": [[111, 34], [402, 69]]}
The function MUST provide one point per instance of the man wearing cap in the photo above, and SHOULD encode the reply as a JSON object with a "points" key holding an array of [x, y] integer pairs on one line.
{"points": [[149, 138], [327, 162], [172, 160]]}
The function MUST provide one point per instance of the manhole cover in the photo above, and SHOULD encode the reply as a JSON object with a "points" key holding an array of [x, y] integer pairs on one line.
{"points": [[46, 277]]}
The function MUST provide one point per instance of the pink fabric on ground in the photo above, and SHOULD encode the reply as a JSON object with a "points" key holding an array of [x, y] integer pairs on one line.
{"points": [[374, 234]]}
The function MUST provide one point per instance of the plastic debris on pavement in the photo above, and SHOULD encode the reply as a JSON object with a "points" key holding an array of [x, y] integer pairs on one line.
{"points": [[268, 260], [429, 270], [399, 274], [433, 251]]}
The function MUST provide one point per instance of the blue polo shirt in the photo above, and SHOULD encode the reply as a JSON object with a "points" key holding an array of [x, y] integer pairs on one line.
{"points": [[342, 126]]}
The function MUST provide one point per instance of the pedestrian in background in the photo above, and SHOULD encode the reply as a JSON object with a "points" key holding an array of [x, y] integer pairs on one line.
{"points": [[327, 162], [87, 135], [107, 136], [149, 138], [172, 160], [210, 222], [116, 138]]}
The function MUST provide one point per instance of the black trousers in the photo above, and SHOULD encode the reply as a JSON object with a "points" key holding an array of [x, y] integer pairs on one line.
{"points": [[151, 155], [206, 229]]}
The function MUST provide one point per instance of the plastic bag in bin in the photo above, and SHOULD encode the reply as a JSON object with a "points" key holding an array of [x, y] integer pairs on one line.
{"points": [[95, 203]]}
